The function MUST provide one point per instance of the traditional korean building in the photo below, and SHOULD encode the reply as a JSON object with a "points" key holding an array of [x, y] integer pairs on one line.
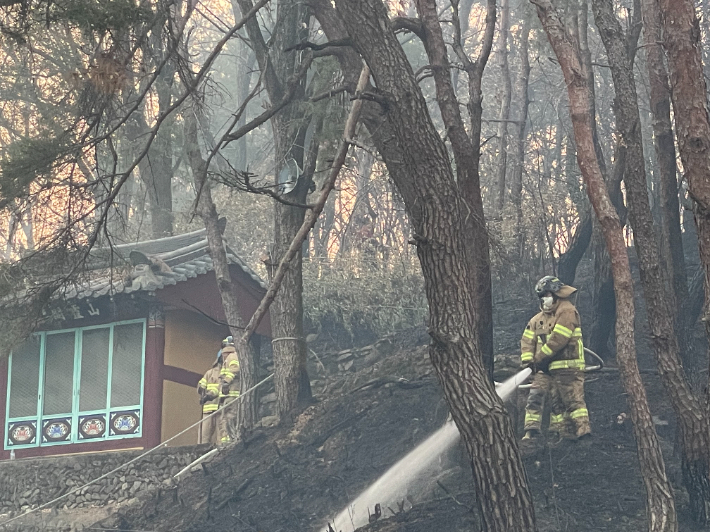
{"points": [[116, 361]]}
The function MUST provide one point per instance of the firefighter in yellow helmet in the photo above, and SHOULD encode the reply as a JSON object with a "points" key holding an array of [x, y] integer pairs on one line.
{"points": [[229, 388], [552, 346], [208, 388]]}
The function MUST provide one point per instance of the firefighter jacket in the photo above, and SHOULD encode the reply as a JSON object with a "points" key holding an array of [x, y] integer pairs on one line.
{"points": [[554, 339], [208, 388], [230, 371]]}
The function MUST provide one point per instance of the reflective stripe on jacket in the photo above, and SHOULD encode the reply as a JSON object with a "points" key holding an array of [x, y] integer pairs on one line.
{"points": [[554, 336], [209, 385], [229, 372]]}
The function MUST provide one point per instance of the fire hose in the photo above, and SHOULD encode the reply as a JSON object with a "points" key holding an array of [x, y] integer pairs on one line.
{"points": [[597, 366]]}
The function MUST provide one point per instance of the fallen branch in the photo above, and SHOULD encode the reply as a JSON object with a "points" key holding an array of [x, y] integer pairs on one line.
{"points": [[381, 381]]}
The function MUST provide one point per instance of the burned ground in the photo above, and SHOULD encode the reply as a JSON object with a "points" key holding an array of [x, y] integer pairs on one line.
{"points": [[294, 480]]}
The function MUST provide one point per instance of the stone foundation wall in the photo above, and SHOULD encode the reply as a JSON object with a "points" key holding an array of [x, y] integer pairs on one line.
{"points": [[29, 483]]}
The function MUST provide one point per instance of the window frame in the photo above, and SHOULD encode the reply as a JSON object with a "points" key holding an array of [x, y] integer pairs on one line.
{"points": [[39, 418]]}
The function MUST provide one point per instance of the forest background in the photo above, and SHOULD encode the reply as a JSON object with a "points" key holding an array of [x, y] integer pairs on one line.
{"points": [[498, 143]]}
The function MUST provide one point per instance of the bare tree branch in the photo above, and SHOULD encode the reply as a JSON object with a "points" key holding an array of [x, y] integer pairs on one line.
{"points": [[312, 215]]}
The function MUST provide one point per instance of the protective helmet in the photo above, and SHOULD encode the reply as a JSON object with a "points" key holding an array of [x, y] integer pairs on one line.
{"points": [[553, 285], [229, 340], [547, 284]]}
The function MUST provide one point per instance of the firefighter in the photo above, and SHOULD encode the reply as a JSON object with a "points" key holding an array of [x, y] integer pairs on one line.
{"points": [[229, 388], [208, 388], [552, 346]]}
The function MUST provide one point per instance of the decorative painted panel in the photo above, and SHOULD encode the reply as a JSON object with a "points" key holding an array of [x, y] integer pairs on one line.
{"points": [[56, 430], [21, 433], [92, 427], [125, 423]]}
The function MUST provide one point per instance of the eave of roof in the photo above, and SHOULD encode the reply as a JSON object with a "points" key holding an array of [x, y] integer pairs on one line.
{"points": [[187, 255]]}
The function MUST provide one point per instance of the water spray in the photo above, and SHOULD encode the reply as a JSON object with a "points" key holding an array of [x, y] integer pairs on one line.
{"points": [[391, 488]]}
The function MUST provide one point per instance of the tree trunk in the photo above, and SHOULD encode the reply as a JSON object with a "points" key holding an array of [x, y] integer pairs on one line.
{"points": [[681, 34], [660, 311], [660, 504], [464, 14], [603, 298], [293, 389], [420, 167], [504, 115], [244, 62], [157, 168], [470, 188], [521, 97], [248, 370], [570, 259], [664, 145]]}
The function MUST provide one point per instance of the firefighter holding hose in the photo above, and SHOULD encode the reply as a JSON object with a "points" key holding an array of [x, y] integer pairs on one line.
{"points": [[552, 346]]}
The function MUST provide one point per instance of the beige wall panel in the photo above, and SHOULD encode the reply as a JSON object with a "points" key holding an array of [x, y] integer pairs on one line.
{"points": [[181, 408], [191, 340], [191, 343]]}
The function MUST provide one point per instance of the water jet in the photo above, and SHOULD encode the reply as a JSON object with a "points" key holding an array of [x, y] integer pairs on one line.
{"points": [[391, 488]]}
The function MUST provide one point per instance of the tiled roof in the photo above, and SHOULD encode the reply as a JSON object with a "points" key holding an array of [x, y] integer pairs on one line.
{"points": [[186, 256]]}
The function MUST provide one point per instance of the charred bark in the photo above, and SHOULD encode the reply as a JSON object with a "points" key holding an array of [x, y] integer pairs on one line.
{"points": [[660, 504], [664, 145], [681, 39]]}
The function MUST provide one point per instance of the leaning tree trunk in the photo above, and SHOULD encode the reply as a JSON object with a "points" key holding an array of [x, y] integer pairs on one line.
{"points": [[424, 177], [659, 501], [681, 34], [248, 371]]}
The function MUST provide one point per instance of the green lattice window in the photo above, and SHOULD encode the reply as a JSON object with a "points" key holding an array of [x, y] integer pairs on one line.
{"points": [[76, 385]]}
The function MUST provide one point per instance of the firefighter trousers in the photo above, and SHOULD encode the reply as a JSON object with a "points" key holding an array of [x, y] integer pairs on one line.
{"points": [[544, 389], [570, 386], [227, 419], [208, 429]]}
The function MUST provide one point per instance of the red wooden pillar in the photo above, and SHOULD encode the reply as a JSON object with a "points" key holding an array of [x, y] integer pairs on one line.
{"points": [[4, 455], [153, 381]]}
